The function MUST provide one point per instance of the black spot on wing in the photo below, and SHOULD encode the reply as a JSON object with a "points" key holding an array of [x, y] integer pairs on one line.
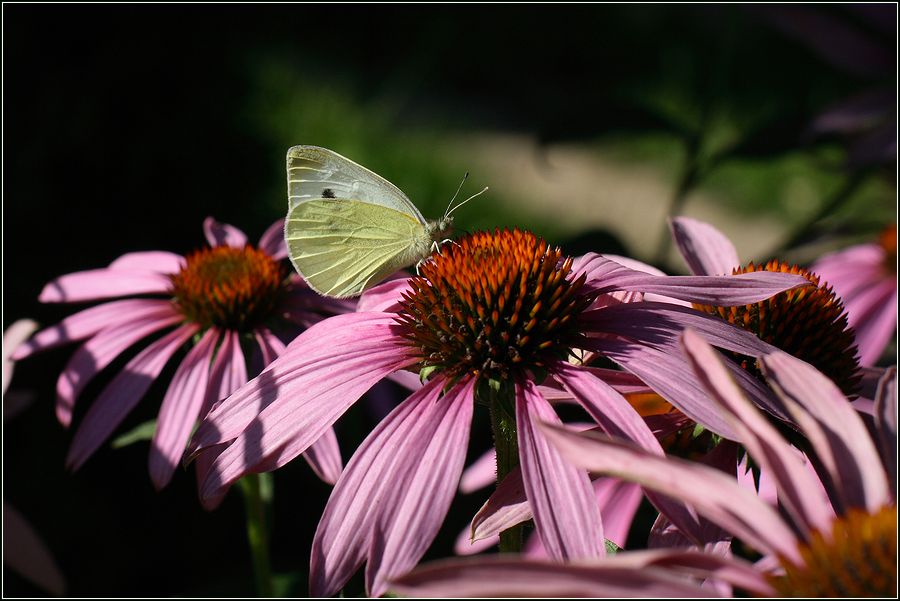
{"points": [[328, 193]]}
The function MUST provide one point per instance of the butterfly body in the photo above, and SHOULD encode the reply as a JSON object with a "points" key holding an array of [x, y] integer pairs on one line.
{"points": [[348, 228]]}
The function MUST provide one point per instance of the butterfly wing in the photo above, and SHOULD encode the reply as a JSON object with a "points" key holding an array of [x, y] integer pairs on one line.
{"points": [[315, 173], [342, 247]]}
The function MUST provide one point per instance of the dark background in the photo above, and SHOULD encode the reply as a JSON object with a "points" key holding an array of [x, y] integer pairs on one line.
{"points": [[125, 126]]}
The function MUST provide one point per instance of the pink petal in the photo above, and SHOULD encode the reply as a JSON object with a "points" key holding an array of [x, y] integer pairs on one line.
{"points": [[609, 276], [618, 418], [712, 493], [313, 357], [761, 439], [123, 393], [180, 409], [464, 544], [386, 296], [506, 507], [324, 457], [835, 430], [618, 501], [704, 248], [228, 373], [280, 413], [223, 234], [13, 337], [348, 523], [101, 350], [482, 473], [158, 261], [26, 553], [98, 284], [509, 577], [415, 510], [272, 241], [86, 323], [873, 316], [886, 423], [269, 344], [645, 268], [565, 512]]}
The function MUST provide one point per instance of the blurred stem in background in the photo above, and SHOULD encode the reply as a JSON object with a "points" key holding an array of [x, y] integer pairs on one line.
{"points": [[257, 490]]}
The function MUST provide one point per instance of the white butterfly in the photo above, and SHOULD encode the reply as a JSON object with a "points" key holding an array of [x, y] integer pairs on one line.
{"points": [[348, 228]]}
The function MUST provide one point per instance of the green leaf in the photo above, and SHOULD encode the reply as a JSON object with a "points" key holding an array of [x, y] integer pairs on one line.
{"points": [[611, 547], [142, 432]]}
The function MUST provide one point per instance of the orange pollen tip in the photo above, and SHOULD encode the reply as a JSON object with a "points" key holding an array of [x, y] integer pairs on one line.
{"points": [[491, 304], [227, 287]]}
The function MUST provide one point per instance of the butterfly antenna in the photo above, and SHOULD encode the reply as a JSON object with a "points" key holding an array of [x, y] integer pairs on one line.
{"points": [[447, 212], [467, 200]]}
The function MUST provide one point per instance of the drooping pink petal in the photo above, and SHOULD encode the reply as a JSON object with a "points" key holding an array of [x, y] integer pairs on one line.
{"points": [[158, 261], [386, 296], [506, 507], [84, 324], [835, 430], [509, 577], [704, 248], [464, 544], [280, 413], [415, 510], [661, 324], [26, 553], [761, 439], [565, 511], [101, 350], [609, 276], [228, 373], [350, 345], [13, 337], [272, 241], [645, 268], [713, 494], [96, 284], [873, 316], [123, 393], [269, 344], [348, 523], [482, 473], [886, 423], [618, 418], [180, 408], [618, 501], [324, 457], [223, 234]]}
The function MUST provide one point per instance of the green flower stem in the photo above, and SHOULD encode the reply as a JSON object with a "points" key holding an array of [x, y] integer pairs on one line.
{"points": [[257, 490], [503, 422]]}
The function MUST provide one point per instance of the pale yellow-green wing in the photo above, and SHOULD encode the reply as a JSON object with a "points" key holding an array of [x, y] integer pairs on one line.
{"points": [[341, 247]]}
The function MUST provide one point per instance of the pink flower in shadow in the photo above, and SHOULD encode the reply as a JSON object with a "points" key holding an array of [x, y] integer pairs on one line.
{"points": [[221, 301], [499, 307], [865, 277]]}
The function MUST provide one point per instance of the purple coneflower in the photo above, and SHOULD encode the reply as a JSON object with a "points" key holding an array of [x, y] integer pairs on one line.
{"points": [[226, 299], [865, 277], [809, 323], [839, 543], [490, 316]]}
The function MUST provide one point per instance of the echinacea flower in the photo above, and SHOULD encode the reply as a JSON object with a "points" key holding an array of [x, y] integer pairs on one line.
{"points": [[839, 543], [24, 550], [809, 323], [865, 277], [489, 316], [229, 298]]}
